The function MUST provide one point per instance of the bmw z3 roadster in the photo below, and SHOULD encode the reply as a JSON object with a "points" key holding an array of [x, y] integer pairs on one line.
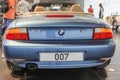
{"points": [[57, 39]]}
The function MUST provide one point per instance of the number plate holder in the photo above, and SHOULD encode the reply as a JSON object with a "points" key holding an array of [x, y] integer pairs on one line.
{"points": [[61, 56]]}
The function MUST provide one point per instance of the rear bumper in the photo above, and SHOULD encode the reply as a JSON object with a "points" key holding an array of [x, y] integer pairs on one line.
{"points": [[60, 65], [22, 53]]}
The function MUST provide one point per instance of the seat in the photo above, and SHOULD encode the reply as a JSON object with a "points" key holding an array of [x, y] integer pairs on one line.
{"points": [[39, 9], [76, 8]]}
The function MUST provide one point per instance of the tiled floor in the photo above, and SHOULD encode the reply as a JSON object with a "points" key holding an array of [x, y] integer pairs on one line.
{"points": [[112, 72]]}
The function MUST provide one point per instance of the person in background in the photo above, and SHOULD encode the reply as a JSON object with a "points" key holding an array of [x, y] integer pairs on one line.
{"points": [[9, 16], [101, 11], [23, 7], [90, 9]]}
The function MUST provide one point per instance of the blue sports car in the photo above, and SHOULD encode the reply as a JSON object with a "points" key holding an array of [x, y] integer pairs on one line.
{"points": [[52, 38]]}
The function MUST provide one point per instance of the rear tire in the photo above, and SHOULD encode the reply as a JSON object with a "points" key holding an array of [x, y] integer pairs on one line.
{"points": [[13, 67], [117, 27], [104, 65], [114, 24]]}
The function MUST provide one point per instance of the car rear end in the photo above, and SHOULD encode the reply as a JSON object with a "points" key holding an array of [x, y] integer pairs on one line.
{"points": [[58, 41]]}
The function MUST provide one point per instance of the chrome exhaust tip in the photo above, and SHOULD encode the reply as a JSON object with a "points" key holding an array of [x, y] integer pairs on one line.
{"points": [[32, 66]]}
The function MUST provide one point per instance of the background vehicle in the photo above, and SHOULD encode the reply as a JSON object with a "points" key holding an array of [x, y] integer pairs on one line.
{"points": [[116, 22], [113, 20], [58, 38]]}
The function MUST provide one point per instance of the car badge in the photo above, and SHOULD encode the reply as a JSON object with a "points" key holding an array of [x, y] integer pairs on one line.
{"points": [[61, 32]]}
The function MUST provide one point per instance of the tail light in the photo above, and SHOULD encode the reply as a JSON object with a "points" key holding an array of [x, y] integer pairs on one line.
{"points": [[17, 34], [102, 33]]}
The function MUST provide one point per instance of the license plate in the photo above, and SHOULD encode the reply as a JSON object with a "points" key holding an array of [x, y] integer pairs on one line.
{"points": [[62, 56]]}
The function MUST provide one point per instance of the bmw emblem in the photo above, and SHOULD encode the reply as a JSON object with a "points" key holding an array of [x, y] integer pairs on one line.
{"points": [[61, 32]]}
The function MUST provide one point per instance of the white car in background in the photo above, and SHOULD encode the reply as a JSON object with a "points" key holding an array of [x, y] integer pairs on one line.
{"points": [[116, 21]]}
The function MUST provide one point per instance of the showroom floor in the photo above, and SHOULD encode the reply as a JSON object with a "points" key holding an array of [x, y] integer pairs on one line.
{"points": [[111, 72]]}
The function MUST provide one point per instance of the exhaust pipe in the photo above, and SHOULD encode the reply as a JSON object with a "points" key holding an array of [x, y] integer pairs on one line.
{"points": [[32, 66]]}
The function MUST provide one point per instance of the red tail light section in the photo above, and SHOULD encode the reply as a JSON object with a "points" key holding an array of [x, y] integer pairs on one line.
{"points": [[22, 34], [102, 33], [17, 34], [59, 15]]}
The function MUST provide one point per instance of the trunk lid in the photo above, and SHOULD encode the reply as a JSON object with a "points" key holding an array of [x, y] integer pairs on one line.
{"points": [[72, 33], [70, 28]]}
